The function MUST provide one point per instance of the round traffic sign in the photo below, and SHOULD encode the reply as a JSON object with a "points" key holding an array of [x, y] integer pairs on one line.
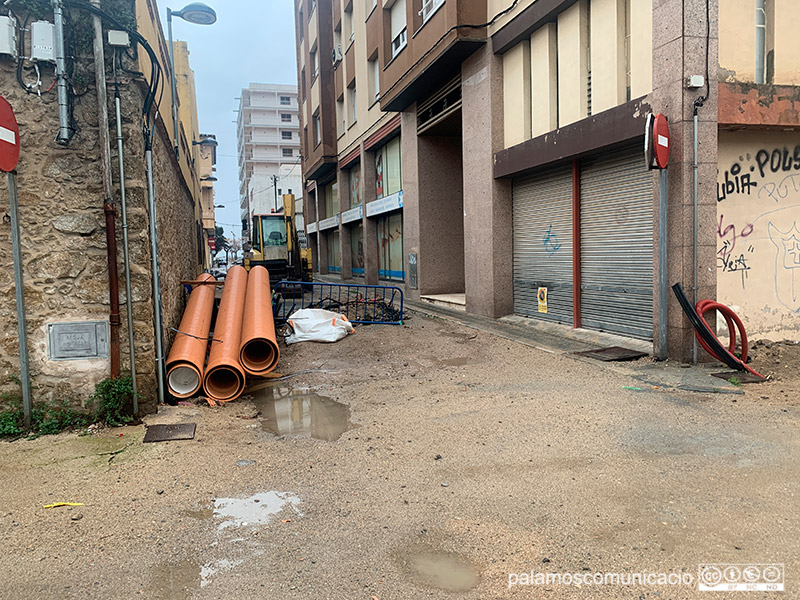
{"points": [[9, 137], [661, 140]]}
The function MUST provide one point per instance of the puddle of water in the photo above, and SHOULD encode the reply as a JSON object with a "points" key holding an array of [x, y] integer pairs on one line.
{"points": [[208, 570], [287, 411], [175, 581], [448, 362], [200, 513], [440, 570], [257, 509]]}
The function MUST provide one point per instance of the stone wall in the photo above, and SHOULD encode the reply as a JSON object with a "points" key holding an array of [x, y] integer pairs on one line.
{"points": [[63, 237]]}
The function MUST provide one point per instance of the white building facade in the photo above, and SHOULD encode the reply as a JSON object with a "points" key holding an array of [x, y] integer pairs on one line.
{"points": [[268, 134]]}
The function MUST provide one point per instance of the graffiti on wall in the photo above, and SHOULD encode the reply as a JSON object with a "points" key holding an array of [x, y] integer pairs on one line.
{"points": [[550, 241], [758, 239]]}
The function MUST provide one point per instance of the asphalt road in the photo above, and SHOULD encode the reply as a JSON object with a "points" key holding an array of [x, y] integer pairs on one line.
{"points": [[434, 461]]}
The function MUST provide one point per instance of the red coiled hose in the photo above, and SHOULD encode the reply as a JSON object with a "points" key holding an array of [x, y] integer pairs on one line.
{"points": [[734, 322]]}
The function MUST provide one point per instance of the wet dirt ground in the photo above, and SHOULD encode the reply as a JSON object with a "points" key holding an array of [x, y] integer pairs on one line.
{"points": [[427, 460]]}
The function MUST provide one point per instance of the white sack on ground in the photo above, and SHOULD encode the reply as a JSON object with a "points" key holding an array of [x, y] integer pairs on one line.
{"points": [[317, 325]]}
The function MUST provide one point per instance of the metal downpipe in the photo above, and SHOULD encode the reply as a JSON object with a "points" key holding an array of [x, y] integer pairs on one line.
{"points": [[694, 233], [108, 191], [126, 252], [64, 133], [663, 286], [159, 328], [19, 288]]}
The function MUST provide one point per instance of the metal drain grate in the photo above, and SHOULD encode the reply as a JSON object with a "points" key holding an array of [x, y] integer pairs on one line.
{"points": [[167, 433], [613, 353]]}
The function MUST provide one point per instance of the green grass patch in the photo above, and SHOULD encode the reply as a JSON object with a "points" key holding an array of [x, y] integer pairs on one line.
{"points": [[110, 397]]}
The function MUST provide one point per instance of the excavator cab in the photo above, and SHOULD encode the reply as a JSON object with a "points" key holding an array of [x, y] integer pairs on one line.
{"points": [[275, 245]]}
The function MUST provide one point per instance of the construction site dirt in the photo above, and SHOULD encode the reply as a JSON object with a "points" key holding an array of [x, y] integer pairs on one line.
{"points": [[426, 460]]}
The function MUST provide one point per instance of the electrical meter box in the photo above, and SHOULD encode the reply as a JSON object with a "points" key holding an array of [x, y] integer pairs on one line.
{"points": [[118, 38], [8, 36], [43, 41]]}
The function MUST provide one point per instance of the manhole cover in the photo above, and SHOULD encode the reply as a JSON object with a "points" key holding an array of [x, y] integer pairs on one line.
{"points": [[612, 353], [742, 376], [166, 433]]}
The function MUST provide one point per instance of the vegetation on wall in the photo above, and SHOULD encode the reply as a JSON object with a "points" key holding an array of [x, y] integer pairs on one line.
{"points": [[111, 399]]}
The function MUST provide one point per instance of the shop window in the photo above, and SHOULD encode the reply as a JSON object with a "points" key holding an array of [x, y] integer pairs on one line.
{"points": [[390, 247], [334, 264], [357, 249], [331, 200], [354, 177], [388, 170]]}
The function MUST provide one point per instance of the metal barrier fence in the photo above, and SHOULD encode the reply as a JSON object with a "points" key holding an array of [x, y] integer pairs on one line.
{"points": [[376, 304]]}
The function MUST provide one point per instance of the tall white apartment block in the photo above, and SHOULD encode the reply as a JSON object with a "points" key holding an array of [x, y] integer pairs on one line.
{"points": [[268, 133]]}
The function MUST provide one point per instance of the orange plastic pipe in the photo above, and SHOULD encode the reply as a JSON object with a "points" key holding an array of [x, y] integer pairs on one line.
{"points": [[259, 352], [224, 378], [188, 353]]}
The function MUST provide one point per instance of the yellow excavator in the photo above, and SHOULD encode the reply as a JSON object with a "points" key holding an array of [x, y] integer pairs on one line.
{"points": [[275, 245]]}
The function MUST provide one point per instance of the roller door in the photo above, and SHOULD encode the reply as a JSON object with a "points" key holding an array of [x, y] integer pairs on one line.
{"points": [[542, 221], [617, 244]]}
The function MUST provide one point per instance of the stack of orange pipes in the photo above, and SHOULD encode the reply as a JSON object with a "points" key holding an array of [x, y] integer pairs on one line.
{"points": [[244, 341], [224, 378], [259, 351], [188, 353]]}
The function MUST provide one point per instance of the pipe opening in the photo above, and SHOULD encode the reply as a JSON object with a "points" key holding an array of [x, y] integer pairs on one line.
{"points": [[258, 355], [183, 380], [223, 383]]}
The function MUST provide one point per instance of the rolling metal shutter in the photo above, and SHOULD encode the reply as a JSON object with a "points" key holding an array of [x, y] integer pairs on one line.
{"points": [[617, 244], [542, 224]]}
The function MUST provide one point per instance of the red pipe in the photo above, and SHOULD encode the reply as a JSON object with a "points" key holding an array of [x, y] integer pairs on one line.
{"points": [[734, 322], [188, 353], [224, 378], [259, 351], [113, 290]]}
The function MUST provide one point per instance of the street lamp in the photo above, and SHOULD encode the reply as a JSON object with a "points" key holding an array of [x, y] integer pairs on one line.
{"points": [[199, 14], [206, 143]]}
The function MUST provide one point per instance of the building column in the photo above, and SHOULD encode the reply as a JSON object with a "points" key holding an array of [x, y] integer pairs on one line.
{"points": [[346, 255], [411, 195], [488, 247], [370, 239], [679, 50]]}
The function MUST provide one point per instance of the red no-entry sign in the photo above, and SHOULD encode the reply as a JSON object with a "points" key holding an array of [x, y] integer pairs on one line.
{"points": [[9, 137], [661, 141]]}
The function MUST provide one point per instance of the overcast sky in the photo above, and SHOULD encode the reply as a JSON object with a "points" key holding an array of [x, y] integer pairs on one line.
{"points": [[251, 42]]}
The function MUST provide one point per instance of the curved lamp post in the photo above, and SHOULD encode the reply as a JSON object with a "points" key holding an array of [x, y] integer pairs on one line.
{"points": [[199, 14]]}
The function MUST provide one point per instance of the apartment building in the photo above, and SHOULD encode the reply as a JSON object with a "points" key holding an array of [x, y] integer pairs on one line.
{"points": [[352, 158], [509, 156], [268, 134]]}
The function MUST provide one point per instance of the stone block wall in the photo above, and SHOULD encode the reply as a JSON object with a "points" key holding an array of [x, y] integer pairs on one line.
{"points": [[60, 198]]}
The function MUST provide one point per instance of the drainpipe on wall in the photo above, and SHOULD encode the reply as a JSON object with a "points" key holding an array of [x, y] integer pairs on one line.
{"points": [[108, 206], [126, 250], [151, 207], [64, 133]]}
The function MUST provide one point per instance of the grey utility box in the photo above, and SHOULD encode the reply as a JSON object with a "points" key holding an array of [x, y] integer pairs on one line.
{"points": [[77, 341]]}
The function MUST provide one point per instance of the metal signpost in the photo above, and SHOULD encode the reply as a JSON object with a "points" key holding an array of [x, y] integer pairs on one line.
{"points": [[9, 156], [656, 148]]}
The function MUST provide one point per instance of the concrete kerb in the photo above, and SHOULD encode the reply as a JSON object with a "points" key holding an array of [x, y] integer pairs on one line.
{"points": [[560, 339]]}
